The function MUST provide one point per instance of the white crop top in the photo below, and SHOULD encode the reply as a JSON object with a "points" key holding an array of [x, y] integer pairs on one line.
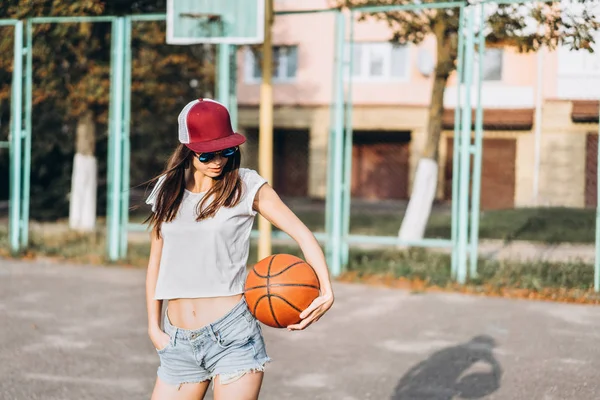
{"points": [[206, 258]]}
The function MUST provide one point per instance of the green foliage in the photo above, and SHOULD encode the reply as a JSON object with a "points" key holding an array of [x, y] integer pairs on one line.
{"points": [[570, 23], [71, 74]]}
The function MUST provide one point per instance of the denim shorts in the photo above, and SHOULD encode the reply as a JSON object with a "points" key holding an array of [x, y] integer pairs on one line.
{"points": [[229, 347]]}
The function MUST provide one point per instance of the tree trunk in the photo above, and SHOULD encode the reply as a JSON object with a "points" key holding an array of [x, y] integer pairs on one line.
{"points": [[82, 210], [425, 181], [436, 109]]}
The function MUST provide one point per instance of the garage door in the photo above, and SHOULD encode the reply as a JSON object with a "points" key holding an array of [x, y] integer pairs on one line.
{"points": [[380, 165], [497, 174], [290, 162], [290, 159]]}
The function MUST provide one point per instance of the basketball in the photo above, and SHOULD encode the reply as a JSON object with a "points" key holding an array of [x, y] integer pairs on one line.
{"points": [[278, 288]]}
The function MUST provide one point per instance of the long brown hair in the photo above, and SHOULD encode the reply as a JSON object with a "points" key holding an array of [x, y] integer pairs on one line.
{"points": [[225, 192]]}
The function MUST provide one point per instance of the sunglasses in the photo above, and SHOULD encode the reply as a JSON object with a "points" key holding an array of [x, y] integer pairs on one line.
{"points": [[207, 157]]}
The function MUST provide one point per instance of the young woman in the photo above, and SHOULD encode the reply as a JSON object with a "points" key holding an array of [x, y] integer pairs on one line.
{"points": [[203, 207]]}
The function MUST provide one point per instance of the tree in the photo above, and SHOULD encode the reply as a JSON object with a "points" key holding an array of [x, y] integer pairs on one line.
{"points": [[71, 65], [508, 25]]}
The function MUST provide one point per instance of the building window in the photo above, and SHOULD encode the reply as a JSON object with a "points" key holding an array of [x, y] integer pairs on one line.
{"points": [[578, 73], [492, 65], [579, 63], [379, 61], [285, 64]]}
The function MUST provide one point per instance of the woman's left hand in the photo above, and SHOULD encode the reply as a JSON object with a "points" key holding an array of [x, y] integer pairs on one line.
{"points": [[317, 308]]}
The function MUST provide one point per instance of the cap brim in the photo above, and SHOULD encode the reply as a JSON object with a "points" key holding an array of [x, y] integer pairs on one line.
{"points": [[219, 144]]}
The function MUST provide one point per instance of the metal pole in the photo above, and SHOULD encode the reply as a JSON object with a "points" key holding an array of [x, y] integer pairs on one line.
{"points": [[477, 156], [72, 20], [223, 58], [338, 151], [330, 164], [456, 146], [265, 135], [148, 17], [348, 140], [410, 7], [15, 140], [125, 138], [538, 126], [233, 104], [28, 133], [9, 22], [383, 8], [114, 140], [112, 115], [465, 143], [597, 261]]}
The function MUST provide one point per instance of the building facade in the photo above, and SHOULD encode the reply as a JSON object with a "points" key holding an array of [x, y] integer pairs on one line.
{"points": [[391, 95]]}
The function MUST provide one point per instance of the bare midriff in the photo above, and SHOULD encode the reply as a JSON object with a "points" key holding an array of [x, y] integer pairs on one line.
{"points": [[197, 313]]}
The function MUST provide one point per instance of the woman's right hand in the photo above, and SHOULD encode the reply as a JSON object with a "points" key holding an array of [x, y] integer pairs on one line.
{"points": [[159, 339]]}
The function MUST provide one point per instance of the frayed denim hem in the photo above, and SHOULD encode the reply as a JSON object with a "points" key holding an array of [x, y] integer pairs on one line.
{"points": [[230, 377], [179, 384]]}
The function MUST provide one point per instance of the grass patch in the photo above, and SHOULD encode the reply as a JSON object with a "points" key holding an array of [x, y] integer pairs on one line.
{"points": [[89, 248], [547, 225], [419, 270], [412, 264], [434, 269], [415, 269]]}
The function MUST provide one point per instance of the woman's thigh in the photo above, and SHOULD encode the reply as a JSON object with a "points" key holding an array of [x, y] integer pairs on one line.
{"points": [[245, 388], [185, 391]]}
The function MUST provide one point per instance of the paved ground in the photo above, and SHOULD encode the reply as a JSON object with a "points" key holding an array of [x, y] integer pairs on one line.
{"points": [[79, 332]]}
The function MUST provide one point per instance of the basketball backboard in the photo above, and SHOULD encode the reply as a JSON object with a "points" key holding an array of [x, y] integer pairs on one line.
{"points": [[215, 21]]}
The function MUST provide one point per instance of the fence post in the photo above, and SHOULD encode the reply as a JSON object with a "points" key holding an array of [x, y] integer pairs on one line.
{"points": [[223, 74], [597, 260], [336, 153], [125, 139], [465, 144], [27, 135], [16, 133], [348, 141], [114, 140], [233, 103], [456, 147], [477, 153]]}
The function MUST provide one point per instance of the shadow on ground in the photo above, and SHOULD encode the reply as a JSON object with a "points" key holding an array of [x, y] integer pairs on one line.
{"points": [[457, 371]]}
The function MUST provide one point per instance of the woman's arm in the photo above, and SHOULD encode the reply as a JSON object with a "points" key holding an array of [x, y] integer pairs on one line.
{"points": [[154, 307], [270, 206]]}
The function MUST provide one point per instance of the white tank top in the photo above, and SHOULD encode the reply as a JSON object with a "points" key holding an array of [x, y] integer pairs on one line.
{"points": [[206, 258]]}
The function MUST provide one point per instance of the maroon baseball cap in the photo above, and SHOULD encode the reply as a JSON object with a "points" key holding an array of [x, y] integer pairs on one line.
{"points": [[205, 126]]}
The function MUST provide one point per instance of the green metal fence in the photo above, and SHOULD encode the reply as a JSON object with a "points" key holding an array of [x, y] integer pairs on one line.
{"points": [[17, 223], [466, 187], [339, 213]]}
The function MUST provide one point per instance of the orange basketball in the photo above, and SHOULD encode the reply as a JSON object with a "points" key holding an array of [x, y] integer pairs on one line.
{"points": [[278, 288]]}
